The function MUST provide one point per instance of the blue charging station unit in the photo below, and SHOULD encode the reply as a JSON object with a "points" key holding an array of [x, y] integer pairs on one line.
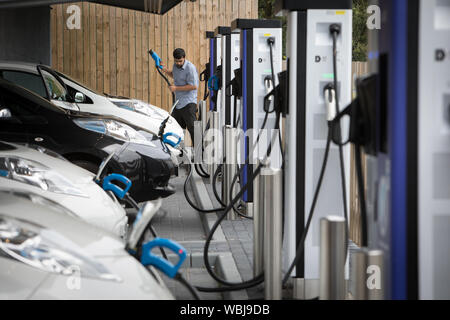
{"points": [[408, 187], [212, 63], [393, 220], [255, 66]]}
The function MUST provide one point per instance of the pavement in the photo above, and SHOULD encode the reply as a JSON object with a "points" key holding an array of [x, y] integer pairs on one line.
{"points": [[230, 251]]}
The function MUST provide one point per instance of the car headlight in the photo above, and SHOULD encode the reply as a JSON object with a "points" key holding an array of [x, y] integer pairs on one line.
{"points": [[47, 250], [140, 107], [38, 175], [114, 129]]}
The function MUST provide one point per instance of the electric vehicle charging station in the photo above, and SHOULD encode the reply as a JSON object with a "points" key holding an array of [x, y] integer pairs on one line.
{"points": [[222, 34], [310, 67], [230, 61], [256, 83], [235, 64], [408, 197], [434, 149], [215, 53]]}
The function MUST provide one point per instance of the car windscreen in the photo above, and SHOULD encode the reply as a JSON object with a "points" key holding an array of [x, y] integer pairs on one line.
{"points": [[62, 75], [55, 88]]}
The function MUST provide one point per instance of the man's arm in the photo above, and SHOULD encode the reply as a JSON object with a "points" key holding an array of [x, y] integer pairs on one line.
{"points": [[168, 72], [187, 87]]}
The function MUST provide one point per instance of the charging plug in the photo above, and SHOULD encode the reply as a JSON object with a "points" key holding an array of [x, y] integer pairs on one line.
{"points": [[330, 101], [271, 41], [335, 28]]}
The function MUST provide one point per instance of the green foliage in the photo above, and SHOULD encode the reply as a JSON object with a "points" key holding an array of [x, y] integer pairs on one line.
{"points": [[360, 15]]}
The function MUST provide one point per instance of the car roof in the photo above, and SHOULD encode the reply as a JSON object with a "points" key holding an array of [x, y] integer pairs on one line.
{"points": [[20, 65]]}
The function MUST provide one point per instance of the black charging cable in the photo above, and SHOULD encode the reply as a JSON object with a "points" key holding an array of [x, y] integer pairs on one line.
{"points": [[216, 194], [230, 285], [301, 243], [200, 171], [179, 277]]}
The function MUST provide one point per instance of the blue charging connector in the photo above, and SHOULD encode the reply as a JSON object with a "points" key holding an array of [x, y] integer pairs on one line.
{"points": [[156, 58], [170, 142], [108, 184], [149, 259]]}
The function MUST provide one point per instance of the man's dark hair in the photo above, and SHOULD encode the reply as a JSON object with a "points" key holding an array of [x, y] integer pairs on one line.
{"points": [[179, 53]]}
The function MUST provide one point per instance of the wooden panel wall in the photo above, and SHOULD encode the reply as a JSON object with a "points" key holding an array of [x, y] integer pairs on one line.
{"points": [[109, 52]]}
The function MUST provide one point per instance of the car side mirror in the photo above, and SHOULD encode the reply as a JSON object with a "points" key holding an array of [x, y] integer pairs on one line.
{"points": [[142, 221], [5, 113], [79, 97]]}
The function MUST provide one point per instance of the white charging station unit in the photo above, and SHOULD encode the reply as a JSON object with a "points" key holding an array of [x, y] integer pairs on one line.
{"points": [[434, 149], [310, 68], [256, 67], [223, 34], [230, 61], [235, 64]]}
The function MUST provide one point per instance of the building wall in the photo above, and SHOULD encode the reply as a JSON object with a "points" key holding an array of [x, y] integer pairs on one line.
{"points": [[25, 34], [110, 51]]}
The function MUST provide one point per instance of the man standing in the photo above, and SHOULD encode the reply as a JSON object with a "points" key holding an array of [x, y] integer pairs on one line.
{"points": [[185, 86]]}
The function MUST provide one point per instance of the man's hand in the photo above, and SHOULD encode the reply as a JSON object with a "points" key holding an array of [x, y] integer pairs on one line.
{"points": [[173, 88], [166, 71]]}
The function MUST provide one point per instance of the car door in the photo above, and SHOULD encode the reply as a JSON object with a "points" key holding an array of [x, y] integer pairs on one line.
{"points": [[13, 118]]}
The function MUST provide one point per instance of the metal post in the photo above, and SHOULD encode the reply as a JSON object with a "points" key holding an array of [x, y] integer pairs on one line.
{"points": [[367, 275], [207, 157], [215, 156], [272, 183], [375, 272], [203, 120], [203, 115], [358, 267], [198, 146], [226, 137], [230, 144], [258, 225], [332, 258]]}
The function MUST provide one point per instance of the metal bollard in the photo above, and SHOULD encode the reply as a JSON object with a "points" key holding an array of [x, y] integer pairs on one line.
{"points": [[203, 115], [229, 167], [366, 274], [207, 145], [272, 184], [358, 267], [375, 273], [198, 146], [332, 258], [258, 225], [215, 156]]}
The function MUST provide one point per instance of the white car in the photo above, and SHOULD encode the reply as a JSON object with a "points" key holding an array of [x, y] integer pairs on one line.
{"points": [[136, 113], [47, 254], [40, 171]]}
